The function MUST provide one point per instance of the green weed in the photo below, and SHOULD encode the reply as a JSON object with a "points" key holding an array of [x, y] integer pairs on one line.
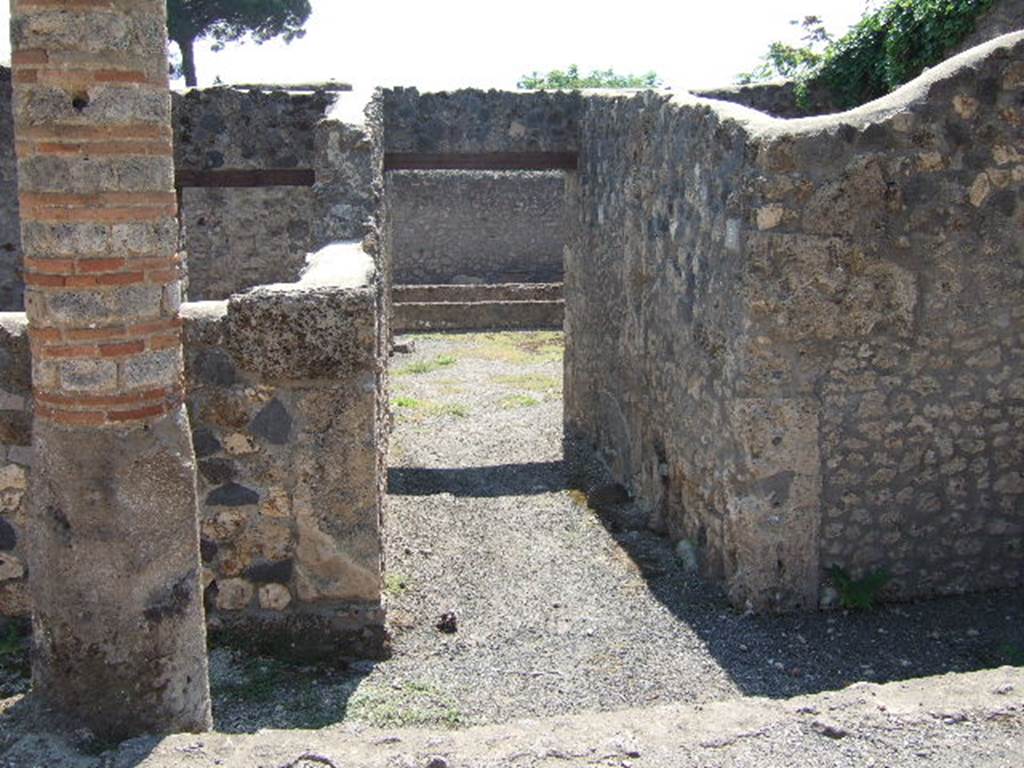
{"points": [[395, 584], [411, 408], [858, 594], [532, 382], [579, 497], [14, 658], [427, 366], [411, 704], [522, 348], [519, 401]]}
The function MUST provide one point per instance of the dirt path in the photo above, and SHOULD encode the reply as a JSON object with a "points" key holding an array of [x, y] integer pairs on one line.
{"points": [[553, 615], [562, 610]]}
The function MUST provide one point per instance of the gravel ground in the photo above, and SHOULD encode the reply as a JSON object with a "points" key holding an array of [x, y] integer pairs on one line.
{"points": [[563, 610], [556, 608]]}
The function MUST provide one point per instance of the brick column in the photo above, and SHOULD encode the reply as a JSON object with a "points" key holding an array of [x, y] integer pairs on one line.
{"points": [[113, 544]]}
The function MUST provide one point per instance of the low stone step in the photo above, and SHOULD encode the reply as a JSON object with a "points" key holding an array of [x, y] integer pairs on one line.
{"points": [[406, 294], [477, 315]]}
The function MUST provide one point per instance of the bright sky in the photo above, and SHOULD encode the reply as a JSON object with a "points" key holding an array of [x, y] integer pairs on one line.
{"points": [[454, 43]]}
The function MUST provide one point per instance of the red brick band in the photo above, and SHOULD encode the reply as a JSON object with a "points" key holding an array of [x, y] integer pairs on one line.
{"points": [[100, 5], [99, 148], [110, 349], [99, 411], [42, 335], [90, 273], [75, 132], [85, 77]]}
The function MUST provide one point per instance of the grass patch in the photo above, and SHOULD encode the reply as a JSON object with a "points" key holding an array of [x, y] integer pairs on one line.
{"points": [[450, 386], [579, 497], [858, 594], [414, 409], [427, 366], [428, 336], [395, 583], [519, 401], [524, 348], [532, 382], [410, 704]]}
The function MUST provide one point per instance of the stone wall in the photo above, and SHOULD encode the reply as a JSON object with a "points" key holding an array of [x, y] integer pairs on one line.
{"points": [[232, 128], [282, 396], [477, 226], [237, 238], [776, 98], [472, 120], [488, 226], [346, 193], [800, 341]]}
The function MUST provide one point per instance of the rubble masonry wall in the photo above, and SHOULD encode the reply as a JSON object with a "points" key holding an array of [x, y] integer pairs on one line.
{"points": [[282, 396], [801, 341]]}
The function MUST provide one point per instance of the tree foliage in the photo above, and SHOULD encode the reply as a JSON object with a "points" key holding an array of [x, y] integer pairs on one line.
{"points": [[792, 61], [225, 21], [571, 80], [888, 47]]}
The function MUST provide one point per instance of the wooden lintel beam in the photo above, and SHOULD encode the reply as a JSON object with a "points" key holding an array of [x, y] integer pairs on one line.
{"points": [[263, 177], [480, 161]]}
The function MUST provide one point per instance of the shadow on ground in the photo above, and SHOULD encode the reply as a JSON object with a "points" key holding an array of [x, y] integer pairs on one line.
{"points": [[249, 692], [815, 651], [499, 480], [772, 656], [253, 692]]}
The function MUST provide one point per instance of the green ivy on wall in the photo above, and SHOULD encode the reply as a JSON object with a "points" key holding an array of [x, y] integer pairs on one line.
{"points": [[892, 46], [885, 49]]}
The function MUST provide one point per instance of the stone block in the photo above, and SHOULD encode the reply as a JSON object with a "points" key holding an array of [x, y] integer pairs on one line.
{"points": [[273, 423], [87, 375], [274, 597], [152, 369], [205, 442], [234, 594], [8, 536], [232, 495], [10, 567], [13, 477], [218, 471], [303, 333]]}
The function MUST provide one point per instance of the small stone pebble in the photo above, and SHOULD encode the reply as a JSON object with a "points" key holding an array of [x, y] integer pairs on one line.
{"points": [[448, 623], [831, 730]]}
